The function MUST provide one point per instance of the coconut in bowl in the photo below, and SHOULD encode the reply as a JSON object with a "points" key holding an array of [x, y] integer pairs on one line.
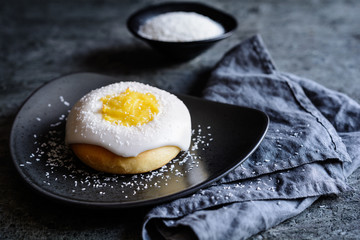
{"points": [[181, 31]]}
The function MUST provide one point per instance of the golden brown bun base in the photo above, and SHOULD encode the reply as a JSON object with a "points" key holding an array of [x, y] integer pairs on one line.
{"points": [[103, 160]]}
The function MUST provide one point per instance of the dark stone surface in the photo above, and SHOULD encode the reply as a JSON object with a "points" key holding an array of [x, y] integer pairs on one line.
{"points": [[41, 40]]}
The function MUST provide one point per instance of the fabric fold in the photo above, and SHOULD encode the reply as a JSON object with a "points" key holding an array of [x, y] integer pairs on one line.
{"points": [[303, 155]]}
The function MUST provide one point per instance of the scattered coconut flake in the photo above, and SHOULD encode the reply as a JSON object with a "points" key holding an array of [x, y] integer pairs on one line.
{"points": [[62, 167]]}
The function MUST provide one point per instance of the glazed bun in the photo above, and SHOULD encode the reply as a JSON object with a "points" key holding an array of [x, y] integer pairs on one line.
{"points": [[128, 128]]}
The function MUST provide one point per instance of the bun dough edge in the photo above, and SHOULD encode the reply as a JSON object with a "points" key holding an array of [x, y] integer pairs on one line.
{"points": [[103, 160]]}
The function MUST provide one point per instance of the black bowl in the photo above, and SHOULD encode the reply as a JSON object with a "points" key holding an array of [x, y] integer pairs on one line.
{"points": [[181, 50]]}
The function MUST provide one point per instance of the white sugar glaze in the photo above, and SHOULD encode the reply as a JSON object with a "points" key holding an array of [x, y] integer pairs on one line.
{"points": [[170, 127]]}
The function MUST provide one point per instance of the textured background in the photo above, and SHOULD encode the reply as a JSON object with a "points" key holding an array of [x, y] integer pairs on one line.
{"points": [[42, 40]]}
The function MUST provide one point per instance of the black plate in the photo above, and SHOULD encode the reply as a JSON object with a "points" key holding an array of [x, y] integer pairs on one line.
{"points": [[223, 137], [181, 50]]}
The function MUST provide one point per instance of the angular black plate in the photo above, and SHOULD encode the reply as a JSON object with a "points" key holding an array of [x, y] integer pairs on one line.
{"points": [[223, 137]]}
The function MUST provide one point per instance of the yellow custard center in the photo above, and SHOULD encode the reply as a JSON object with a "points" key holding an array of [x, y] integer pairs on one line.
{"points": [[130, 108]]}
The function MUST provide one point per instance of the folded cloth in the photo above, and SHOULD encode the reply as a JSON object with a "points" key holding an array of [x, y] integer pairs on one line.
{"points": [[309, 150]]}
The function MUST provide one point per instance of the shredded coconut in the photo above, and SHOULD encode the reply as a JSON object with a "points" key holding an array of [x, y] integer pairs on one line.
{"points": [[62, 168], [180, 27]]}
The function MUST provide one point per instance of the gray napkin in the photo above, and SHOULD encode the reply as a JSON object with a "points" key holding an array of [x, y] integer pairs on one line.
{"points": [[309, 150]]}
